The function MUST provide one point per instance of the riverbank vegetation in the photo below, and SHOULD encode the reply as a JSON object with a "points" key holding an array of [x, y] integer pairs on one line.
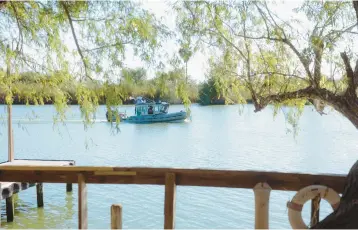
{"points": [[29, 88]]}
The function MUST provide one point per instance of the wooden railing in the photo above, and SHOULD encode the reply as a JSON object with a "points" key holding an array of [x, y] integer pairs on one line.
{"points": [[261, 182]]}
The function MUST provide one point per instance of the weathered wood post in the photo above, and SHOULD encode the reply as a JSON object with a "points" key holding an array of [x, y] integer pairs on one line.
{"points": [[10, 209], [315, 202], [262, 195], [39, 195], [10, 134], [82, 202], [116, 216], [169, 203], [69, 185]]}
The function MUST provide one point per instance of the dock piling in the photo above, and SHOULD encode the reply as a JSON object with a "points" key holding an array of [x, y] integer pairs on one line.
{"points": [[116, 216], [10, 209], [40, 195], [68, 187]]}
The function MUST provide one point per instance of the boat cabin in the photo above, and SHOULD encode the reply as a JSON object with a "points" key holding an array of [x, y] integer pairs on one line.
{"points": [[151, 108]]}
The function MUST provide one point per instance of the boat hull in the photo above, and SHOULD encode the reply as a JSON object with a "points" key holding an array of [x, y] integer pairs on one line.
{"points": [[154, 118]]}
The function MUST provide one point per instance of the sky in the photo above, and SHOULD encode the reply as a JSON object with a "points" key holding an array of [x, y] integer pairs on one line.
{"points": [[197, 65]]}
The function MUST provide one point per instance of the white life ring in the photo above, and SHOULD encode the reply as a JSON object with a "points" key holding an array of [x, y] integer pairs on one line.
{"points": [[305, 194]]}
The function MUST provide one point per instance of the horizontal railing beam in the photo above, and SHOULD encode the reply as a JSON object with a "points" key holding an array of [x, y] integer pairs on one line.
{"points": [[156, 176]]}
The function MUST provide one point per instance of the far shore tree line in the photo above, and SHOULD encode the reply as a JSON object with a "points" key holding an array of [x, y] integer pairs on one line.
{"points": [[131, 83]]}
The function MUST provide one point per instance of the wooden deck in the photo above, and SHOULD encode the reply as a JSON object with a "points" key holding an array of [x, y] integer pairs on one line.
{"points": [[39, 162], [8, 188]]}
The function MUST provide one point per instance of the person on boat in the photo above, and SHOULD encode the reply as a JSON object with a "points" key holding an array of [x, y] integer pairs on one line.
{"points": [[150, 110]]}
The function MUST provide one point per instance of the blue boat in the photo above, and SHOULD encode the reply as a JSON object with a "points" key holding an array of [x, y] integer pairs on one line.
{"points": [[147, 111]]}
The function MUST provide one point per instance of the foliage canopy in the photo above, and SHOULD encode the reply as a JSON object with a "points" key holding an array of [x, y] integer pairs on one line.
{"points": [[280, 60]]}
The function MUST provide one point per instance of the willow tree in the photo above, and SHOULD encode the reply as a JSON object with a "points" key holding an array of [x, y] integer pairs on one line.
{"points": [[73, 43], [282, 60]]}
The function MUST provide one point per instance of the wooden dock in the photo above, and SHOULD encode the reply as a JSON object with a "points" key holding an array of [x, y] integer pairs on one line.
{"points": [[8, 189]]}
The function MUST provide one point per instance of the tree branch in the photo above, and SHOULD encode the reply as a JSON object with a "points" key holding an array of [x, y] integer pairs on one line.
{"points": [[355, 6], [75, 38], [355, 73], [90, 19], [106, 46], [284, 39], [306, 93], [19, 27], [340, 32], [222, 36], [288, 43], [282, 74]]}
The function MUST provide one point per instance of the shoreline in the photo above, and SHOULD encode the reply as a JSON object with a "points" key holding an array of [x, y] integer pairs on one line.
{"points": [[130, 103]]}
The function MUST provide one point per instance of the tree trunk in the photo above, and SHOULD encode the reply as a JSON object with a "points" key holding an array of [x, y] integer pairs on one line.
{"points": [[351, 115], [186, 72], [346, 215]]}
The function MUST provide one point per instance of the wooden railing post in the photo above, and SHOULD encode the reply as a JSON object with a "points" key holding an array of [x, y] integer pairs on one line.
{"points": [[10, 134], [82, 202], [262, 196], [169, 203], [116, 216], [69, 185], [315, 203]]}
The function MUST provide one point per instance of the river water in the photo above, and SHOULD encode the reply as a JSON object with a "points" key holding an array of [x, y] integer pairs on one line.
{"points": [[217, 137]]}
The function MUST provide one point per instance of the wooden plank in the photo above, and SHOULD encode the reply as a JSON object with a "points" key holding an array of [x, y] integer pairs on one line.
{"points": [[114, 173], [116, 216], [169, 202], [315, 204], [184, 177], [39, 195], [31, 162], [10, 209], [82, 202], [49, 167]]}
